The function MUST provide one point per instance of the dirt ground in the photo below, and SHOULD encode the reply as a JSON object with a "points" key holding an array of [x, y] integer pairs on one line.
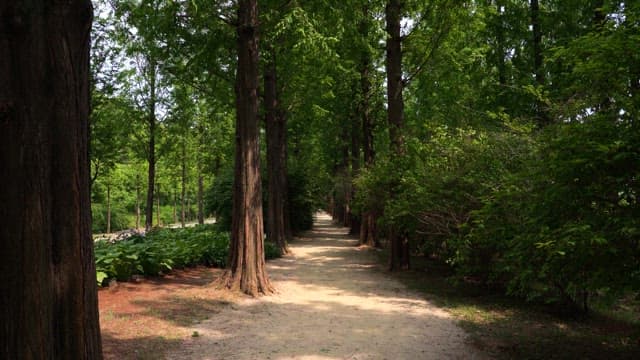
{"points": [[333, 302]]}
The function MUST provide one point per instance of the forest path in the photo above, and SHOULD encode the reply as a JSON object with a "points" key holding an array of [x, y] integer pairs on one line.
{"points": [[333, 302]]}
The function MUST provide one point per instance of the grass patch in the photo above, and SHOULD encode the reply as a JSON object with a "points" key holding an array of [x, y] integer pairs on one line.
{"points": [[508, 328]]}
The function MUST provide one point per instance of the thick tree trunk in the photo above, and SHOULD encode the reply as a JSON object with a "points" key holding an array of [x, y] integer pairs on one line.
{"points": [[151, 150], [247, 264], [275, 123], [398, 258], [48, 301]]}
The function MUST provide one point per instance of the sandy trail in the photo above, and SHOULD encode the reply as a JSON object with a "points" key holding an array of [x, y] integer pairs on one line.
{"points": [[333, 302]]}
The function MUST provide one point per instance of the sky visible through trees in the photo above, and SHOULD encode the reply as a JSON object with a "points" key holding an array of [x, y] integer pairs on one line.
{"points": [[498, 137]]}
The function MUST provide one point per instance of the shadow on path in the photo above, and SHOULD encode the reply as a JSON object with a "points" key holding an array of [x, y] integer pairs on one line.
{"points": [[333, 302]]}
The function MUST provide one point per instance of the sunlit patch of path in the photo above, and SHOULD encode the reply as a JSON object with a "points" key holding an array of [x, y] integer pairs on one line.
{"points": [[333, 302]]}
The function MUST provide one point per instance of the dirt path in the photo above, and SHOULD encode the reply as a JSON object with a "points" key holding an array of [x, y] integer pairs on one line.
{"points": [[333, 302]]}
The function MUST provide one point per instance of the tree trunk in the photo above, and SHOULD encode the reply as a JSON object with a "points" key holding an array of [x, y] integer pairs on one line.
{"points": [[175, 207], [158, 222], [247, 271], [345, 177], [200, 198], [538, 69], [275, 124], [188, 215], [354, 220], [398, 258], [199, 164], [137, 201], [108, 208], [368, 220], [151, 150], [48, 306], [183, 214]]}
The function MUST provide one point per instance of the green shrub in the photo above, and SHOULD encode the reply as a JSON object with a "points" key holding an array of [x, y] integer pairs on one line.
{"points": [[566, 227], [271, 251], [160, 251]]}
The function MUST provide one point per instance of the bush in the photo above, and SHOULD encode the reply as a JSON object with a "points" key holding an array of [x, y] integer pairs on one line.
{"points": [[567, 227], [160, 251], [271, 251]]}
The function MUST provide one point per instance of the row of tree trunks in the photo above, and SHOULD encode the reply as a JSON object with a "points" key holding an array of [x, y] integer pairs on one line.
{"points": [[48, 301], [247, 265]]}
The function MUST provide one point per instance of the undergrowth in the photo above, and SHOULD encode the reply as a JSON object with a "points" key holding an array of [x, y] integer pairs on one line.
{"points": [[162, 250]]}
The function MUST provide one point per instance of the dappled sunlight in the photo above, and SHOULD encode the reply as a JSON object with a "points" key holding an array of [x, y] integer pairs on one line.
{"points": [[333, 301]]}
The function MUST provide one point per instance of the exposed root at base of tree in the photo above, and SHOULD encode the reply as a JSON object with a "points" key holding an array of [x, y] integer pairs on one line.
{"points": [[233, 282]]}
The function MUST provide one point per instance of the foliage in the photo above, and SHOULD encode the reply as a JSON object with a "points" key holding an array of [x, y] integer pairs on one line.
{"points": [[160, 251], [219, 199], [567, 226], [303, 199], [120, 219]]}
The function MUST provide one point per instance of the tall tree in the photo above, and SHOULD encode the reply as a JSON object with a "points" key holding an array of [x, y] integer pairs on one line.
{"points": [[368, 218], [48, 307], [399, 256], [247, 264], [538, 69], [151, 76]]}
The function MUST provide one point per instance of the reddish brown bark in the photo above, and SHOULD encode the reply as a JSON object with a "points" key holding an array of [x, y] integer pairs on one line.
{"points": [[247, 271], [48, 301]]}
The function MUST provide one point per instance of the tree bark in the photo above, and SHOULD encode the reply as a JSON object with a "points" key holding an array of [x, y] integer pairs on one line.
{"points": [[276, 130], [108, 207], [158, 222], [368, 234], [398, 258], [151, 150], [175, 207], [354, 220], [48, 306], [183, 213], [368, 220], [247, 271], [137, 201]]}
